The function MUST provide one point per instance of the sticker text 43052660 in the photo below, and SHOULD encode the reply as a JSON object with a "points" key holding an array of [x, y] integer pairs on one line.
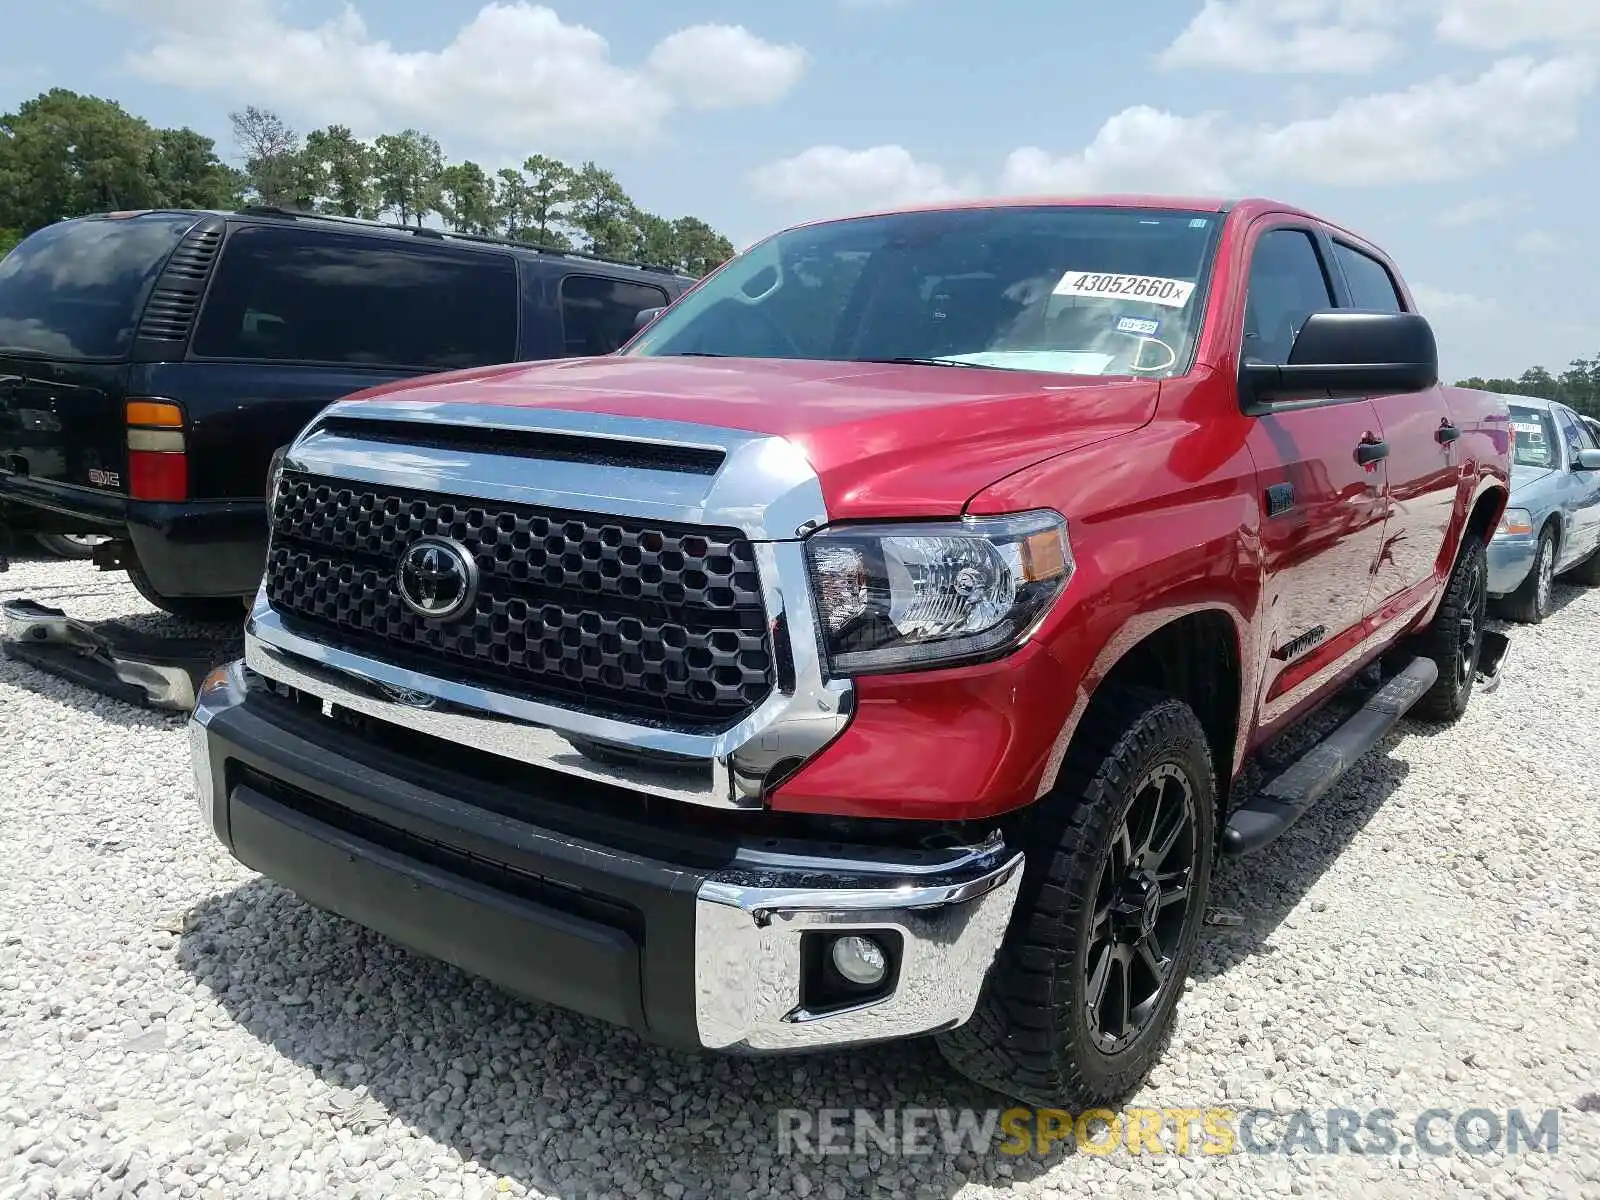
{"points": [[1155, 289]]}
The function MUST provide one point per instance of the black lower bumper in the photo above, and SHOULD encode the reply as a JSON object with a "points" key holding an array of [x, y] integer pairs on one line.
{"points": [[353, 830], [188, 549]]}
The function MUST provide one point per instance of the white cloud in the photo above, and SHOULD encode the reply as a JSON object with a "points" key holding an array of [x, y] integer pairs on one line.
{"points": [[1442, 129], [1471, 212], [1139, 149], [1496, 24], [1285, 36], [516, 74], [739, 67], [1431, 300], [1438, 130], [834, 179], [1538, 242]]}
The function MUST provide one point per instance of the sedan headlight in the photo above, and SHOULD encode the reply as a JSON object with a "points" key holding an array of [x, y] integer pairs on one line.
{"points": [[1516, 522], [907, 596]]}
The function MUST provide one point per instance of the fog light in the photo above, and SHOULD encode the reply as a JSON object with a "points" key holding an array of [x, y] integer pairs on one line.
{"points": [[860, 960]]}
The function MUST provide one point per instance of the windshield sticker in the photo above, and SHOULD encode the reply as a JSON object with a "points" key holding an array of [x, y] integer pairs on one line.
{"points": [[1198, 223], [1528, 427], [1144, 326], [1070, 362], [1156, 289]]}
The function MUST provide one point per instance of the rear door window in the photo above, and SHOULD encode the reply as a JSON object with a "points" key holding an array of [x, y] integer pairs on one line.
{"points": [[597, 313], [75, 290], [1371, 285], [301, 295]]}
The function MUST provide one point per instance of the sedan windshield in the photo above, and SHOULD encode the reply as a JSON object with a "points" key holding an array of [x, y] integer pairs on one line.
{"points": [[1080, 291], [1535, 432]]}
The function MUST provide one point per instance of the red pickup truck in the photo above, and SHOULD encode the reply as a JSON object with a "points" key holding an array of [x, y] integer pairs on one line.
{"points": [[871, 648]]}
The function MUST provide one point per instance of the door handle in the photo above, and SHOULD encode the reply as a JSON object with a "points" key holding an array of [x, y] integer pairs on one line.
{"points": [[1446, 433], [1370, 449]]}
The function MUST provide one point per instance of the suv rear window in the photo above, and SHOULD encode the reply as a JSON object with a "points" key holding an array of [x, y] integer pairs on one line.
{"points": [[299, 295], [597, 314], [75, 290]]}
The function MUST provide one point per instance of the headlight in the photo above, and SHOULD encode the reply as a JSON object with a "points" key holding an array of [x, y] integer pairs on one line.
{"points": [[1516, 521], [274, 474], [907, 596]]}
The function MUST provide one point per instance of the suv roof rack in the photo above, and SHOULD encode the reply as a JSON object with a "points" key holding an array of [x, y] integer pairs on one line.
{"points": [[273, 210]]}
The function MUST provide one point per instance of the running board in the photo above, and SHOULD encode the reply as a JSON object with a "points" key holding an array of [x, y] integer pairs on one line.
{"points": [[112, 659], [1268, 814]]}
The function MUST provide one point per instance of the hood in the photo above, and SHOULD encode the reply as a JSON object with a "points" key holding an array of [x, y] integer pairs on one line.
{"points": [[885, 440], [1524, 477]]}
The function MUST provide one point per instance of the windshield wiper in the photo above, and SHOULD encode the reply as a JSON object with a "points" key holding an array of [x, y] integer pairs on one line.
{"points": [[924, 362], [693, 354]]}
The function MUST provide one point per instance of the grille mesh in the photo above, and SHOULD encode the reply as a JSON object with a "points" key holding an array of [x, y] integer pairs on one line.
{"points": [[623, 618]]}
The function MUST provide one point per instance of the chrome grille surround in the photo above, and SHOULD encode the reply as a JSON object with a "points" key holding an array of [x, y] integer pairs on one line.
{"points": [[764, 489]]}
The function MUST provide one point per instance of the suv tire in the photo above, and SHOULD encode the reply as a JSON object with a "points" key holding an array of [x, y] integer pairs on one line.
{"points": [[1082, 997]]}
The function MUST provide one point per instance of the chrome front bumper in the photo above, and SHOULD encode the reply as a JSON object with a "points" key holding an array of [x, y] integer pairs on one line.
{"points": [[743, 925], [1510, 560]]}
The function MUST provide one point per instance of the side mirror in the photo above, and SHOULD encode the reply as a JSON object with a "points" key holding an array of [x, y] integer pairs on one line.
{"points": [[1586, 460], [1343, 354], [645, 315]]}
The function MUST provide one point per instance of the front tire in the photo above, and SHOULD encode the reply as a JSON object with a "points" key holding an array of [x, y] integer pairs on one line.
{"points": [[1455, 638], [1530, 603], [1083, 994], [204, 610]]}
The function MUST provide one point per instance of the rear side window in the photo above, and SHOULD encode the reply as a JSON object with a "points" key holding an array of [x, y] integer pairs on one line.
{"points": [[597, 314], [1371, 285], [295, 295], [75, 290], [1577, 434]]}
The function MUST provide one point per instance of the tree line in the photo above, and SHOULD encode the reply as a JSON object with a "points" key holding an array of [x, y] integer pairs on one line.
{"points": [[1578, 386], [63, 155]]}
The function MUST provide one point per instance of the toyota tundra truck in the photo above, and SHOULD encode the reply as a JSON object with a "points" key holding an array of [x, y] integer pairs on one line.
{"points": [[874, 645]]}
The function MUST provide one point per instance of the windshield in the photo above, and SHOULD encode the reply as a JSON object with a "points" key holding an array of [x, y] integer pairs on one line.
{"points": [[1081, 291], [1536, 437]]}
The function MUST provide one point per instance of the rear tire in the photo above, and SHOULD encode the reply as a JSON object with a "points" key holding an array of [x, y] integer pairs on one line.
{"points": [[1082, 997], [1455, 638], [67, 545], [1530, 603], [204, 610]]}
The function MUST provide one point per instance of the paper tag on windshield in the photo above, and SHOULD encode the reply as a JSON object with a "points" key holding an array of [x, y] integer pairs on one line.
{"points": [[1531, 427], [1153, 289]]}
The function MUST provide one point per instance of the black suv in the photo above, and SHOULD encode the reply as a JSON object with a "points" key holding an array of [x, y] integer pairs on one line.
{"points": [[152, 363]]}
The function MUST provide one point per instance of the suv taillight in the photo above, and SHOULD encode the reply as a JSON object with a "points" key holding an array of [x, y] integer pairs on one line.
{"points": [[158, 466]]}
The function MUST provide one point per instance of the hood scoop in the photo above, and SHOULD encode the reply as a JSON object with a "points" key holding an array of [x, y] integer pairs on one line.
{"points": [[532, 444]]}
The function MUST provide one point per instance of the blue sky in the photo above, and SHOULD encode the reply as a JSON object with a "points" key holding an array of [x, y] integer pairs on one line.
{"points": [[1459, 134]]}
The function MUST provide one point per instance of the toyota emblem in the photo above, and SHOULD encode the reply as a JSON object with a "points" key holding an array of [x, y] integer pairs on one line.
{"points": [[437, 578]]}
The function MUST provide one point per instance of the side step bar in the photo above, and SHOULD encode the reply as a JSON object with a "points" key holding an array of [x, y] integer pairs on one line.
{"points": [[112, 659], [1268, 814]]}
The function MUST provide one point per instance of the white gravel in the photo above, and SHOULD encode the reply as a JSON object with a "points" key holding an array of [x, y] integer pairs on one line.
{"points": [[171, 1024]]}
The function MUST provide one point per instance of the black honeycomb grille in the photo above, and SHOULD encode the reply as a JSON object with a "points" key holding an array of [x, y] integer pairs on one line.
{"points": [[623, 618]]}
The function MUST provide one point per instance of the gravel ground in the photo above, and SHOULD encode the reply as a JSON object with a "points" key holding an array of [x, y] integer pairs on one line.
{"points": [[171, 1024]]}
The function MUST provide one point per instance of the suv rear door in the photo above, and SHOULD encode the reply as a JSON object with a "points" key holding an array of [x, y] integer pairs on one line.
{"points": [[70, 299]]}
